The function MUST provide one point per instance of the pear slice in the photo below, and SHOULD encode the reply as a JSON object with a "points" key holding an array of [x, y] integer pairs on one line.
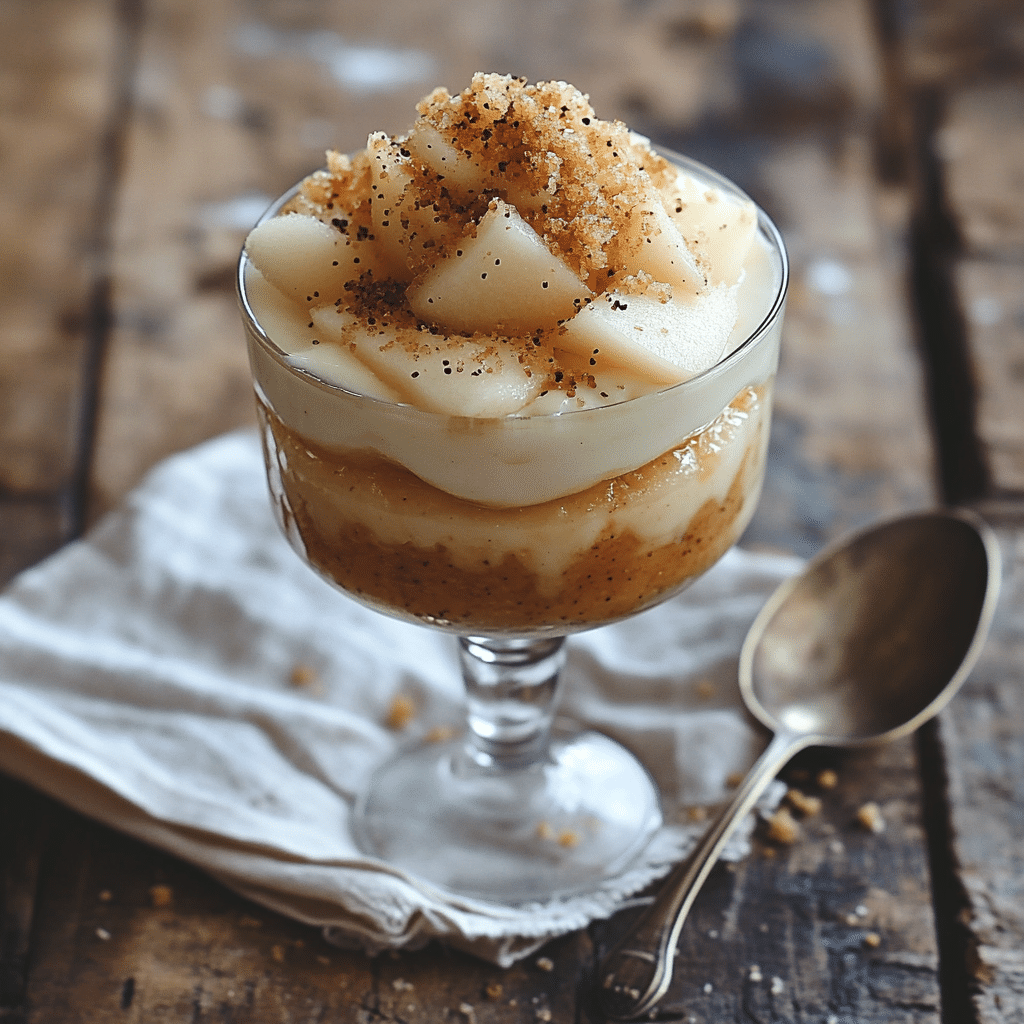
{"points": [[659, 249], [434, 151], [596, 385], [308, 260], [289, 326], [480, 377], [283, 320], [719, 227], [667, 342], [502, 278]]}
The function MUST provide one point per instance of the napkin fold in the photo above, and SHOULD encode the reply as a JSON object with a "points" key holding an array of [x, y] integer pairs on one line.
{"points": [[181, 675]]}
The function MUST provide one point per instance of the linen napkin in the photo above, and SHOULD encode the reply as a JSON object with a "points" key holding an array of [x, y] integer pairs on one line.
{"points": [[180, 674]]}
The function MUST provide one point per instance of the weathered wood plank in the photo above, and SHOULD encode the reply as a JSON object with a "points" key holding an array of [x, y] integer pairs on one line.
{"points": [[991, 297], [982, 735], [980, 147], [58, 67]]}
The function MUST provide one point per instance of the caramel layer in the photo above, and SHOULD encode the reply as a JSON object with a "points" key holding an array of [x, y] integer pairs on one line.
{"points": [[336, 502]]}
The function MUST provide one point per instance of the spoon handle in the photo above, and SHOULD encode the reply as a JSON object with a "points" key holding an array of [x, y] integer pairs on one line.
{"points": [[638, 970]]}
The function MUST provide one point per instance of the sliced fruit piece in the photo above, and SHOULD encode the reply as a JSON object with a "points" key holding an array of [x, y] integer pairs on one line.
{"points": [[283, 319], [592, 386], [308, 260], [454, 376], [290, 327], [434, 151], [336, 364], [667, 342], [503, 278], [719, 227], [408, 225], [657, 248]]}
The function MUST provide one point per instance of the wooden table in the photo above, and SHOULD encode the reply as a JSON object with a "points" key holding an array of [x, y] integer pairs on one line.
{"points": [[138, 139]]}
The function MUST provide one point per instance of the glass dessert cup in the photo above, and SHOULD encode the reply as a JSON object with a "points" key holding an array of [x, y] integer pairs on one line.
{"points": [[512, 533]]}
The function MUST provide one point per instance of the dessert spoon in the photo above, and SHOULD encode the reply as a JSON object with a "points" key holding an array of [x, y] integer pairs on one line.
{"points": [[869, 641]]}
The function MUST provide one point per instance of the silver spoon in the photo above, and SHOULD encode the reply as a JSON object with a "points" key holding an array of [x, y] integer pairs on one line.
{"points": [[873, 638]]}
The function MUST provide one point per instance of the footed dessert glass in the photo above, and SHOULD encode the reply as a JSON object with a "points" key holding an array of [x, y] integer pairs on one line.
{"points": [[574, 520]]}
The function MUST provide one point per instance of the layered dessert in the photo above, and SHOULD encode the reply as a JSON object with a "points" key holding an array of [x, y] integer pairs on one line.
{"points": [[513, 367]]}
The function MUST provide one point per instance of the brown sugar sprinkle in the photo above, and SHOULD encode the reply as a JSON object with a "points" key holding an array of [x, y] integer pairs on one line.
{"points": [[401, 712], [303, 676], [705, 689], [827, 779], [783, 828], [870, 817], [440, 734], [577, 180], [568, 839], [161, 896], [808, 806]]}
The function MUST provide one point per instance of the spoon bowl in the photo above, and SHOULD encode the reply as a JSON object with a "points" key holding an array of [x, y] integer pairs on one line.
{"points": [[872, 639], [876, 634]]}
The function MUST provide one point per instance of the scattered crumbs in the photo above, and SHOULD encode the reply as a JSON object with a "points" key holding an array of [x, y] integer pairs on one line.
{"points": [[783, 827], [494, 990], [708, 988], [777, 987], [828, 779], [806, 805], [545, 963], [105, 896], [872, 940], [870, 817], [440, 734], [277, 952], [697, 813], [754, 974], [249, 922], [102, 933], [543, 1013], [705, 689], [733, 779], [568, 839], [401, 713], [401, 985], [303, 677], [161, 895], [545, 831]]}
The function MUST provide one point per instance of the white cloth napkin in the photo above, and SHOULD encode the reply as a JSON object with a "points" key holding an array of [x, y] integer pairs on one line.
{"points": [[181, 675]]}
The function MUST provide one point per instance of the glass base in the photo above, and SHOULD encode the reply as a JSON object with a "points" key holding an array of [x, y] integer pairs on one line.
{"points": [[551, 829]]}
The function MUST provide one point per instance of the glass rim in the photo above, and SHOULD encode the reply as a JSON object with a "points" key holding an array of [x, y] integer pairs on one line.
{"points": [[691, 384]]}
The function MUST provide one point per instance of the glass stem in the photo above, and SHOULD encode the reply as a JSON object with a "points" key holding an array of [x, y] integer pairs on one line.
{"points": [[512, 688]]}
